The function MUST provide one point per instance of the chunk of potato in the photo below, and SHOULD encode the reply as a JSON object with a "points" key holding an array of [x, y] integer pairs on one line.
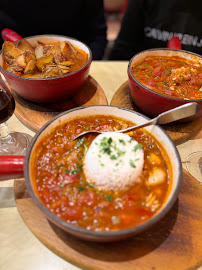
{"points": [[67, 50], [156, 177], [44, 60], [29, 56], [10, 52], [154, 159], [23, 59], [24, 45], [20, 60], [39, 51], [31, 67]]}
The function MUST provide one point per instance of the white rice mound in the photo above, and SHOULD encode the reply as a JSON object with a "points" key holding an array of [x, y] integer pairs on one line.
{"points": [[114, 161]]}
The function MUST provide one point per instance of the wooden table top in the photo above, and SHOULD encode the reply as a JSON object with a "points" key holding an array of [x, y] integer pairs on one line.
{"points": [[19, 248]]}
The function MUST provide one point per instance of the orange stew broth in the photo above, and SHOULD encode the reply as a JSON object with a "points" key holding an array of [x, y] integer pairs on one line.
{"points": [[77, 62], [62, 187], [172, 76]]}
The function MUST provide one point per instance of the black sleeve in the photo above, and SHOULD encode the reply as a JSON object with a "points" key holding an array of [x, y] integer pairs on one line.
{"points": [[96, 28], [131, 35], [5, 22]]}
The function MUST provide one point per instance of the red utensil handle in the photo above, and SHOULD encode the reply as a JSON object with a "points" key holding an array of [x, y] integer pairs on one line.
{"points": [[174, 43], [10, 35], [11, 167]]}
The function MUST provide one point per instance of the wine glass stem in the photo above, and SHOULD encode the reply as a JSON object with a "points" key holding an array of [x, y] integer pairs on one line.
{"points": [[5, 137]]}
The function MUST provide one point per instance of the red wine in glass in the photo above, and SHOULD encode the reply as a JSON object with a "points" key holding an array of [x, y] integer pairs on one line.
{"points": [[14, 143], [7, 105]]}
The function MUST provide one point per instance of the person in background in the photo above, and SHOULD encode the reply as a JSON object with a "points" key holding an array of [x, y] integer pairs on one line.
{"points": [[152, 23], [80, 19]]}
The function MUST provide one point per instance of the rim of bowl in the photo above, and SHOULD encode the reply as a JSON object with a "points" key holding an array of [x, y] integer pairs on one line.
{"points": [[99, 234], [154, 92], [63, 76]]}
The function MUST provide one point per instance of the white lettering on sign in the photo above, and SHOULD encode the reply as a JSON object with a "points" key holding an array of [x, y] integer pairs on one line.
{"points": [[163, 35]]}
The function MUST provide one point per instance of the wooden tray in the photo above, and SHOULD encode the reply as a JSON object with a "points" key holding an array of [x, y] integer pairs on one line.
{"points": [[179, 132], [35, 115], [173, 243]]}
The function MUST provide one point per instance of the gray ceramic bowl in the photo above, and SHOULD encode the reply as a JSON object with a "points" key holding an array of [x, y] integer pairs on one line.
{"points": [[157, 132]]}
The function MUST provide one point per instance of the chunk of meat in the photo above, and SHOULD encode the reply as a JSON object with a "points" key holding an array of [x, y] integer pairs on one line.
{"points": [[51, 49], [51, 71], [180, 75]]}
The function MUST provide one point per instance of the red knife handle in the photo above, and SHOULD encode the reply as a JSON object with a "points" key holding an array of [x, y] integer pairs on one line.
{"points": [[11, 167], [10, 35]]}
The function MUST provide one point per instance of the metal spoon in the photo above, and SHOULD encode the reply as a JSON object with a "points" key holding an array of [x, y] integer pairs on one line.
{"points": [[172, 115]]}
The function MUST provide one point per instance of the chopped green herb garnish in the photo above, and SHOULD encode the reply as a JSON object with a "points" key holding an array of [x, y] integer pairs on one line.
{"points": [[132, 164], [74, 171], [66, 171], [120, 152], [137, 146], [102, 164], [108, 197], [80, 142], [131, 139], [62, 185], [85, 149], [106, 144], [92, 185], [86, 127], [113, 157], [169, 72], [81, 188], [122, 141]]}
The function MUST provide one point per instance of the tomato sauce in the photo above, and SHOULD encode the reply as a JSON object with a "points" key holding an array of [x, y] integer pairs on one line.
{"points": [[62, 187], [172, 76]]}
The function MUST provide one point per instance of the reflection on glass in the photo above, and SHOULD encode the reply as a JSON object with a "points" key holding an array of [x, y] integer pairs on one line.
{"points": [[13, 143], [194, 165]]}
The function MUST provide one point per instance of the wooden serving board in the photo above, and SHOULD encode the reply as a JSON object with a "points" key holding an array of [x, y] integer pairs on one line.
{"points": [[35, 115], [179, 132], [173, 243]]}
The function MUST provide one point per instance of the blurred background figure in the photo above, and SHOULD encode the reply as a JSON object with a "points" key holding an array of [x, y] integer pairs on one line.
{"points": [[152, 23], [80, 19]]}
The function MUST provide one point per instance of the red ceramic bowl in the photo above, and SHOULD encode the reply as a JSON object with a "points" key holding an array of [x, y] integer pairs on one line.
{"points": [[9, 169], [150, 102], [50, 89]]}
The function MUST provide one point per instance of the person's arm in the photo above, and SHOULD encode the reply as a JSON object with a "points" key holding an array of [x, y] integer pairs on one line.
{"points": [[96, 28], [131, 35]]}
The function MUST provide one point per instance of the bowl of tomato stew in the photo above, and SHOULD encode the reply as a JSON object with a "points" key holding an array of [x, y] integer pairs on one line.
{"points": [[45, 68], [57, 183], [162, 79], [56, 178]]}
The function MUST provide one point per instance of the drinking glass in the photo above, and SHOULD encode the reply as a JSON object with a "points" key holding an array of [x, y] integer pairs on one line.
{"points": [[14, 143], [194, 165]]}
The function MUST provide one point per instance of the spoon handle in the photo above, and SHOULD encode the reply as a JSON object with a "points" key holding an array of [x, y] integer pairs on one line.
{"points": [[178, 113], [175, 114]]}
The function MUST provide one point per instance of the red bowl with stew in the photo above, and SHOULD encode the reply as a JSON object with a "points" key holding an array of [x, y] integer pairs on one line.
{"points": [[50, 89], [162, 79], [57, 183]]}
